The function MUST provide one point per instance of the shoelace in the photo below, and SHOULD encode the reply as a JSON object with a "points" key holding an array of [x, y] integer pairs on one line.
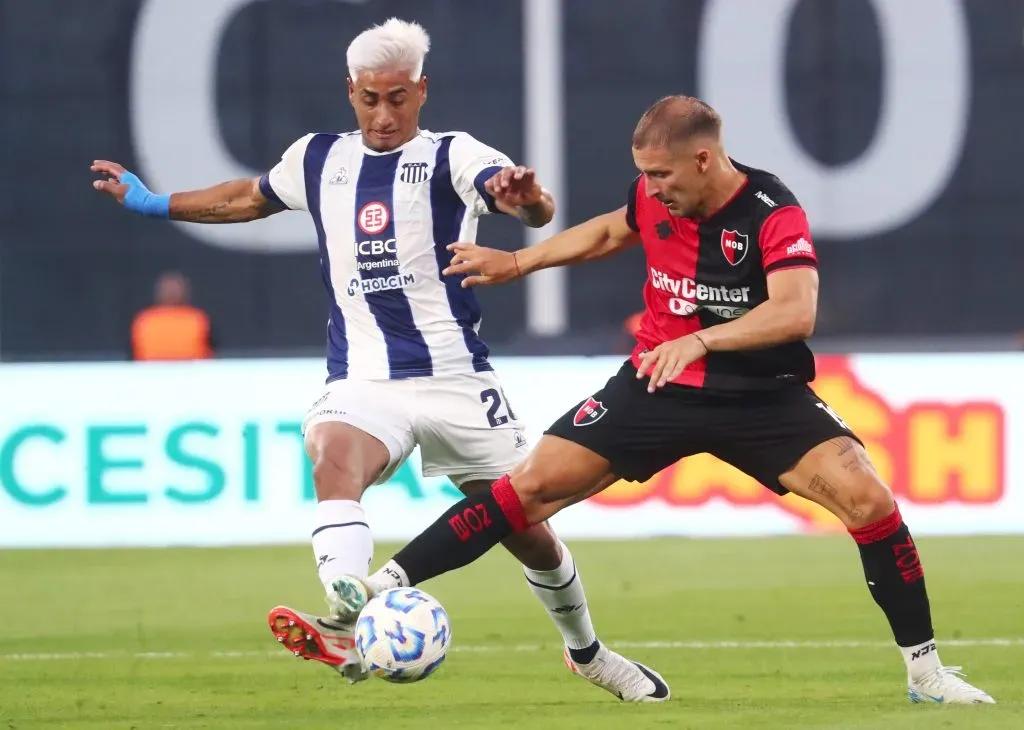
{"points": [[934, 680], [622, 669]]}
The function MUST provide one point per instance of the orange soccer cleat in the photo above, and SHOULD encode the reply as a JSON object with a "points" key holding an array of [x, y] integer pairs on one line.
{"points": [[315, 637]]}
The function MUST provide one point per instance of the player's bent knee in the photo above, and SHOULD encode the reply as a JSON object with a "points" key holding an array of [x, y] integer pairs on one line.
{"points": [[530, 491], [345, 460], [332, 481], [528, 483], [538, 500], [877, 502], [872, 501], [545, 487]]}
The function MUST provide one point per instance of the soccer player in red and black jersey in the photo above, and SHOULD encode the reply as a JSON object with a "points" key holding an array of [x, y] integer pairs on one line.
{"points": [[720, 366]]}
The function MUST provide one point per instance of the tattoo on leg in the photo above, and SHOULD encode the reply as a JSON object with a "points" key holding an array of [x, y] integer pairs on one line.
{"points": [[845, 443], [859, 462], [818, 485]]}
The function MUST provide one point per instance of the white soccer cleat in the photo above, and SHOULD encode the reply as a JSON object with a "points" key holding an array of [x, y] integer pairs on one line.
{"points": [[946, 686], [346, 598], [321, 639], [628, 680]]}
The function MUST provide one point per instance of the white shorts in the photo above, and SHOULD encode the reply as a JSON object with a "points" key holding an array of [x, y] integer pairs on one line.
{"points": [[462, 423]]}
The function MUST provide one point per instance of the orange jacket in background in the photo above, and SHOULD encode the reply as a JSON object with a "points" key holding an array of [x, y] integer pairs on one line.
{"points": [[171, 333]]}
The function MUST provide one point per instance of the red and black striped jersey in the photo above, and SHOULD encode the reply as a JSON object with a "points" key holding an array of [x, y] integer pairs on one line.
{"points": [[703, 272]]}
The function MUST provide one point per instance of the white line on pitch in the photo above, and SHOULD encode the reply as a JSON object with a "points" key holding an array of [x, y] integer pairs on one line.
{"points": [[489, 648]]}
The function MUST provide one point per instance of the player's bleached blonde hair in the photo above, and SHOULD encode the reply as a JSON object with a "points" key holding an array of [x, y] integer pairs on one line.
{"points": [[392, 45]]}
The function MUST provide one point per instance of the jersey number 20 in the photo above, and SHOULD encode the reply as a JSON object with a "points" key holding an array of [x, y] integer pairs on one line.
{"points": [[493, 395]]}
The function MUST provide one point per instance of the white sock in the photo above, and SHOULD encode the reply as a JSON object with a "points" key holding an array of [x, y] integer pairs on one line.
{"points": [[389, 575], [342, 544], [561, 592], [921, 659]]}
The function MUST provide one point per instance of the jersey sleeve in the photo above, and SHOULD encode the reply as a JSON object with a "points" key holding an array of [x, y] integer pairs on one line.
{"points": [[472, 164], [286, 181], [785, 240], [631, 205]]}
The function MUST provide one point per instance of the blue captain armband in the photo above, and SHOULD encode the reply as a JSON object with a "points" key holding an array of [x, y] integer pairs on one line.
{"points": [[140, 200]]}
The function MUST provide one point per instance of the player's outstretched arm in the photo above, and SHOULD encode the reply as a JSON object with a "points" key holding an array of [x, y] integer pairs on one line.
{"points": [[235, 201], [596, 238]]}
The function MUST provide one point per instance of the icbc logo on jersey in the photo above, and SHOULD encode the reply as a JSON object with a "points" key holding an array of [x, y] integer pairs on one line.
{"points": [[734, 246], [373, 217]]}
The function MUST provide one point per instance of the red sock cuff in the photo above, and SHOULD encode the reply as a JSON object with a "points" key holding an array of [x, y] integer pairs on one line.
{"points": [[879, 530], [509, 503]]}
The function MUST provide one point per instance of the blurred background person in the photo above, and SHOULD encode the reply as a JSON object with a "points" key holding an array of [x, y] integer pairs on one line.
{"points": [[172, 328], [630, 326]]}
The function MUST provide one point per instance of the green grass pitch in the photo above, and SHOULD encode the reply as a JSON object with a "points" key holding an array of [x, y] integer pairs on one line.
{"points": [[177, 639]]}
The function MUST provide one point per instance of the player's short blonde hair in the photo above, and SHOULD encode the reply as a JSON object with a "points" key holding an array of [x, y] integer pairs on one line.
{"points": [[393, 45], [674, 119]]}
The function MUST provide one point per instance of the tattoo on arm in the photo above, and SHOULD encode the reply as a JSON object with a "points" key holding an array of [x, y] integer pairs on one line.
{"points": [[235, 201], [539, 214], [215, 213], [534, 215]]}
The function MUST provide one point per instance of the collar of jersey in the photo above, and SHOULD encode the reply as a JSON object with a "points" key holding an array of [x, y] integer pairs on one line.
{"points": [[732, 199], [375, 153]]}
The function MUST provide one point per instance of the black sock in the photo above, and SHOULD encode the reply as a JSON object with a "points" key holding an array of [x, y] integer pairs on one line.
{"points": [[462, 534], [585, 656], [895, 578]]}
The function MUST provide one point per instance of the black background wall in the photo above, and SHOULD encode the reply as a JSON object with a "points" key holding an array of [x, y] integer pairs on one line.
{"points": [[74, 267]]}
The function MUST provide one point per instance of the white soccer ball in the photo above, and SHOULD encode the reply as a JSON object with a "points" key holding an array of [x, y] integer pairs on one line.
{"points": [[402, 635]]}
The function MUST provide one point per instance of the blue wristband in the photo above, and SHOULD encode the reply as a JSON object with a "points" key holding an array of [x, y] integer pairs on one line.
{"points": [[140, 200]]}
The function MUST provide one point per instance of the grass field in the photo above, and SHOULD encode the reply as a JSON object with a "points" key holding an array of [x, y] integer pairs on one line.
{"points": [[776, 633]]}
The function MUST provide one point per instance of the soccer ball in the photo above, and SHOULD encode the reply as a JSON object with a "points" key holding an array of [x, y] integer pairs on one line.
{"points": [[402, 635]]}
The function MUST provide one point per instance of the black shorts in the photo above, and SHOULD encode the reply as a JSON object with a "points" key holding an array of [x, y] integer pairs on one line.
{"points": [[762, 433]]}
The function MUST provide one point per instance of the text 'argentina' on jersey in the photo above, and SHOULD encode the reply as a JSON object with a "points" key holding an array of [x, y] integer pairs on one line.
{"points": [[378, 265]]}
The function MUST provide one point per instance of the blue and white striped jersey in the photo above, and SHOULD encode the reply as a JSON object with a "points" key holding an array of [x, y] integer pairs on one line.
{"points": [[383, 220]]}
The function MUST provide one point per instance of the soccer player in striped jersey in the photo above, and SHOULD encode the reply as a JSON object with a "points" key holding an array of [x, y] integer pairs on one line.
{"points": [[405, 362]]}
